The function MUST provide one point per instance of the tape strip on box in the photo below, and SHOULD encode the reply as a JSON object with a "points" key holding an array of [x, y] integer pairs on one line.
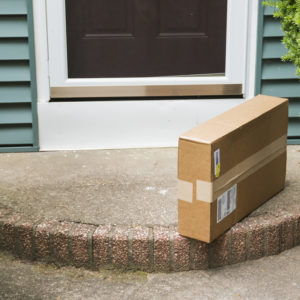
{"points": [[185, 190], [204, 191], [209, 191]]}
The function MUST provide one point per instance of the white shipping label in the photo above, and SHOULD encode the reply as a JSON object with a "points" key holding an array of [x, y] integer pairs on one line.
{"points": [[226, 203]]}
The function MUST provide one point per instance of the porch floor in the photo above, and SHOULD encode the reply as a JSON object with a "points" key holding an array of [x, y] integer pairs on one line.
{"points": [[100, 187], [131, 187]]}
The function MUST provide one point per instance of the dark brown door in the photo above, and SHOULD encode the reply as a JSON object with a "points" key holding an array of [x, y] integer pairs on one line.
{"points": [[140, 38]]}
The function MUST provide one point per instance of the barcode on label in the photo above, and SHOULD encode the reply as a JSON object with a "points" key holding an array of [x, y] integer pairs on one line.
{"points": [[226, 203]]}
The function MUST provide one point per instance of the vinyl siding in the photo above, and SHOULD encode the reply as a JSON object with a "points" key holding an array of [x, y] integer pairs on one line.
{"points": [[274, 77], [18, 117]]}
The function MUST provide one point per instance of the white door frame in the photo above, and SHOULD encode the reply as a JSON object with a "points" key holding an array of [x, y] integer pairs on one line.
{"points": [[94, 125], [235, 52]]}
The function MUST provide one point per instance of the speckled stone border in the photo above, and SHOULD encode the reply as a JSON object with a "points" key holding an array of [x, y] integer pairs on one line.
{"points": [[156, 248]]}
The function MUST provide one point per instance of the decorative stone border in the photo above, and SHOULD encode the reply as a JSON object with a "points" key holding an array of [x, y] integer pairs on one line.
{"points": [[149, 249]]}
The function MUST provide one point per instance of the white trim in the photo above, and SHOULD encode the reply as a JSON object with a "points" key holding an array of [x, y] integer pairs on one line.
{"points": [[122, 124], [41, 50], [235, 54], [251, 47]]}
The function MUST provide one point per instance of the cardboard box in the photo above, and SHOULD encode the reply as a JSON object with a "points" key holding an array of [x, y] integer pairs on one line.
{"points": [[230, 165]]}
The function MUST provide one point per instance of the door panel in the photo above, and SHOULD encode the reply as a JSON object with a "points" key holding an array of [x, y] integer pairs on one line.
{"points": [[142, 38], [181, 20], [109, 19]]}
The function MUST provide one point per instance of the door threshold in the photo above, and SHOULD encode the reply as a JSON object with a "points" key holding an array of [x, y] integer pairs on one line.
{"points": [[146, 91]]}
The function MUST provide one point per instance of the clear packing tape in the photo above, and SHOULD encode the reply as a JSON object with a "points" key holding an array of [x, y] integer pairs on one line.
{"points": [[210, 191]]}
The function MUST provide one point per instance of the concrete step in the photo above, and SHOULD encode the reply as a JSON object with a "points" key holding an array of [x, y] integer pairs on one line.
{"points": [[118, 208]]}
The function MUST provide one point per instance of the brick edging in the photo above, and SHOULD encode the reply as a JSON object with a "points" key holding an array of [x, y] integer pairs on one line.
{"points": [[157, 248]]}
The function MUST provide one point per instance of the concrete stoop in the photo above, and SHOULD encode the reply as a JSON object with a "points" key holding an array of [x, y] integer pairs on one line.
{"points": [[155, 248], [118, 209]]}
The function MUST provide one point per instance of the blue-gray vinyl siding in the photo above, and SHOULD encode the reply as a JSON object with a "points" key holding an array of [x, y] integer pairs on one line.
{"points": [[274, 77], [18, 97]]}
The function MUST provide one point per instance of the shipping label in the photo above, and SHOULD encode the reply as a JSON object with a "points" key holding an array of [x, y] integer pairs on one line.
{"points": [[226, 203], [217, 163]]}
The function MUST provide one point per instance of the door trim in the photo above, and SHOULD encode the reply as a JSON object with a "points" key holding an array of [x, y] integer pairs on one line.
{"points": [[151, 123], [237, 21]]}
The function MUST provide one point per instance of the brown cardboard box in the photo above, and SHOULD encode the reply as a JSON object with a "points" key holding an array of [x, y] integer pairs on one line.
{"points": [[230, 165]]}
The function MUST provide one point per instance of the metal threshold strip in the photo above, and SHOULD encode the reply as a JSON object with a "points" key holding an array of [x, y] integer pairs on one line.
{"points": [[146, 91]]}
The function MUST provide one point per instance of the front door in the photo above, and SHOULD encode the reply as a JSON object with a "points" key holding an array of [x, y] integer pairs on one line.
{"points": [[145, 38]]}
